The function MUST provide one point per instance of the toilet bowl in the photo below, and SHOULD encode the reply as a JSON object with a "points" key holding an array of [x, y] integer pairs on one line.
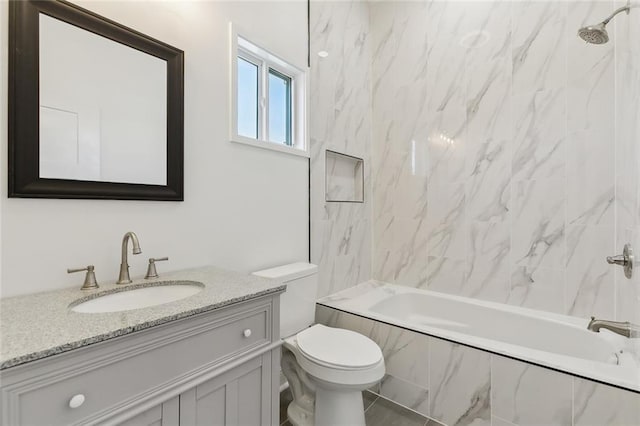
{"points": [[327, 368], [334, 366]]}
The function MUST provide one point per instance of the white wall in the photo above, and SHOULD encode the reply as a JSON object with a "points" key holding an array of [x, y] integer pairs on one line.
{"points": [[245, 208]]}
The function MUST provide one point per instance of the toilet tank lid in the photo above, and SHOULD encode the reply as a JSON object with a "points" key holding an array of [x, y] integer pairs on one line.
{"points": [[288, 272]]}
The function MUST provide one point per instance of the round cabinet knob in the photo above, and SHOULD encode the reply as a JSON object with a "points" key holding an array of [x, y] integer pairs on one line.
{"points": [[247, 332], [76, 401]]}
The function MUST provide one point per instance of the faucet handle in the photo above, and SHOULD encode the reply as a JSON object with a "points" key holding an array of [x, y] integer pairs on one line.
{"points": [[89, 279], [151, 270], [625, 260]]}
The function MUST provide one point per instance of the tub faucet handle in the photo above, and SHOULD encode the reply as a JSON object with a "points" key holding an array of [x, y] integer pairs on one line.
{"points": [[89, 279], [617, 260], [151, 270], [625, 260]]}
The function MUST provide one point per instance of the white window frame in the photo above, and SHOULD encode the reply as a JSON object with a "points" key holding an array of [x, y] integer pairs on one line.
{"points": [[265, 60]]}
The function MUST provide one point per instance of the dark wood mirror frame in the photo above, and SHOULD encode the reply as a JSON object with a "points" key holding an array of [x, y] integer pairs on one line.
{"points": [[24, 178]]}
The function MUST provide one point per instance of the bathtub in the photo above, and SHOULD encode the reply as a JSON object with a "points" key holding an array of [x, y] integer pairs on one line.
{"points": [[548, 340]]}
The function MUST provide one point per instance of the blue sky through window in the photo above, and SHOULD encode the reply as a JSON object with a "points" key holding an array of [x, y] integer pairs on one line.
{"points": [[279, 109], [247, 99]]}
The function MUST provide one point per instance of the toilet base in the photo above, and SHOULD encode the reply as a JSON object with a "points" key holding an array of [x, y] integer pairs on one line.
{"points": [[298, 415], [339, 408]]}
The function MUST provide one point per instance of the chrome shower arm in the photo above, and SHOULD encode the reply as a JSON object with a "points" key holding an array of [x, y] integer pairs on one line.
{"points": [[597, 34], [626, 8]]}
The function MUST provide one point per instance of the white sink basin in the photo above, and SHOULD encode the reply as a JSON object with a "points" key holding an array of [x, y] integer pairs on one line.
{"points": [[140, 297]]}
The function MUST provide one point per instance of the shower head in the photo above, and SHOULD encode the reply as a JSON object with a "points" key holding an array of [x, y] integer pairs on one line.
{"points": [[597, 34], [594, 34]]}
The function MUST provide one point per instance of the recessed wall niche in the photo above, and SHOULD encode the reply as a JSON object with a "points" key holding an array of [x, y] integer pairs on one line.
{"points": [[344, 175]]}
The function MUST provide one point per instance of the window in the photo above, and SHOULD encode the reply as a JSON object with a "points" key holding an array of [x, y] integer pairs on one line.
{"points": [[248, 74], [267, 99], [279, 108]]}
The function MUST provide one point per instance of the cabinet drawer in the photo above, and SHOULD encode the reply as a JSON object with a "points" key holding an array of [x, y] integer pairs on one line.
{"points": [[110, 382]]}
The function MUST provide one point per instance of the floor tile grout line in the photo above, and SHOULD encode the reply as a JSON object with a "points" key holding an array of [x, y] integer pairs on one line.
{"points": [[371, 405], [504, 420], [378, 398], [403, 406], [433, 422], [428, 419]]}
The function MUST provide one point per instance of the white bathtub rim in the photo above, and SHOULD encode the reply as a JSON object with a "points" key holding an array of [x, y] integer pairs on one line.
{"points": [[369, 295], [610, 374]]}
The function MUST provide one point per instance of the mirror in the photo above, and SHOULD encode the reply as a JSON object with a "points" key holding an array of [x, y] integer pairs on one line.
{"points": [[96, 109], [114, 131]]}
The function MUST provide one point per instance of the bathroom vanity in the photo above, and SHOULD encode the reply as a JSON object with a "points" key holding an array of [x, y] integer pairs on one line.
{"points": [[214, 355]]}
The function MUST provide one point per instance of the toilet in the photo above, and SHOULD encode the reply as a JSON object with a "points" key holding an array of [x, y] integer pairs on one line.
{"points": [[327, 368]]}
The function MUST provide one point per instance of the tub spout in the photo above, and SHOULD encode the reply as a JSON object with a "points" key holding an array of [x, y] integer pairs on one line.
{"points": [[624, 328]]}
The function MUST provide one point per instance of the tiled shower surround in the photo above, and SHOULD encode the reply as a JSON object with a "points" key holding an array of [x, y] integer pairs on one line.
{"points": [[460, 385], [501, 151], [340, 101], [502, 161], [505, 152]]}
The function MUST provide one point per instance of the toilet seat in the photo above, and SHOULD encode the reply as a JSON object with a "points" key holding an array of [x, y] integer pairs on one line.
{"points": [[338, 348], [339, 369]]}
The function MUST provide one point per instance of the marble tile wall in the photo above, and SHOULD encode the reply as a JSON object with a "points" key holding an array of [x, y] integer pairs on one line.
{"points": [[501, 163], [340, 120], [627, 124], [505, 152], [457, 385]]}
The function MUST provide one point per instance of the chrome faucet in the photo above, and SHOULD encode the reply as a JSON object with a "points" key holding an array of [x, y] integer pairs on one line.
{"points": [[124, 265], [624, 328]]}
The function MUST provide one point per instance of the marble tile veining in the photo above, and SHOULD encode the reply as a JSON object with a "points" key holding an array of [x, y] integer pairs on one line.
{"points": [[529, 396], [460, 384], [511, 146], [340, 101], [467, 385], [601, 405], [590, 279]]}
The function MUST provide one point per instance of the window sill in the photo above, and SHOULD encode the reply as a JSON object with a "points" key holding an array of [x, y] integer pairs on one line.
{"points": [[272, 146]]}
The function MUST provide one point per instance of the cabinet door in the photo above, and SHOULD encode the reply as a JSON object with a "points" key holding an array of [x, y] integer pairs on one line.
{"points": [[241, 396], [165, 414]]}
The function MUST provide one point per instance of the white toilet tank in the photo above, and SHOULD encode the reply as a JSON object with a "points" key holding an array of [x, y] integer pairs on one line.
{"points": [[298, 303]]}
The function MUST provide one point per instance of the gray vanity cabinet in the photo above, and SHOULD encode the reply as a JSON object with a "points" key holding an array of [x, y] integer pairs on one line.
{"points": [[165, 414], [217, 368], [238, 397]]}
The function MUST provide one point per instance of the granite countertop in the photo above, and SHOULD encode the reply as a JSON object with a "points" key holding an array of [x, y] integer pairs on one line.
{"points": [[39, 325]]}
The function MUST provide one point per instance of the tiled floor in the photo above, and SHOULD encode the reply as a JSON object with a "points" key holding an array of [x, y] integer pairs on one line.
{"points": [[378, 412]]}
